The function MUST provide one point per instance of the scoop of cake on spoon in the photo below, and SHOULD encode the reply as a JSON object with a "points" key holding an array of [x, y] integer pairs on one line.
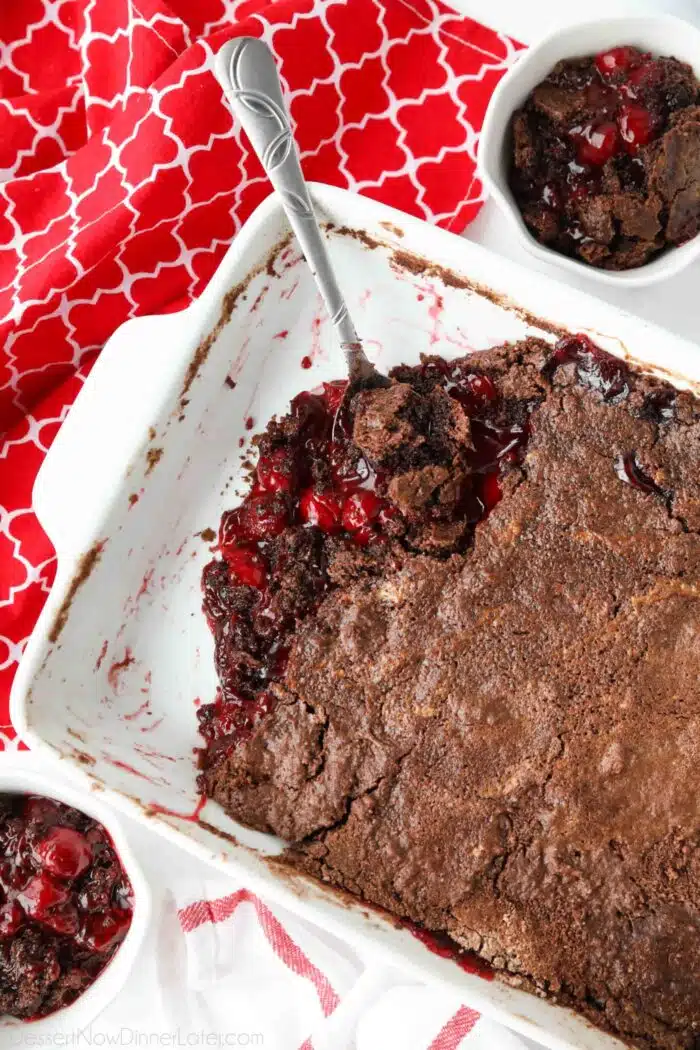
{"points": [[252, 85]]}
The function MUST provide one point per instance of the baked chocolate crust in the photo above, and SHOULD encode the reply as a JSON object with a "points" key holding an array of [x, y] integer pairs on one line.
{"points": [[503, 743]]}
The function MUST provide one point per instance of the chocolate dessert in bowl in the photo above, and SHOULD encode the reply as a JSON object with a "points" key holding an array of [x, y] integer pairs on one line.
{"points": [[606, 157], [73, 902], [592, 147]]}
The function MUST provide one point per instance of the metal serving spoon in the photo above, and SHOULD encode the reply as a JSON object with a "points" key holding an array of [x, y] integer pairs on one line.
{"points": [[252, 85]]}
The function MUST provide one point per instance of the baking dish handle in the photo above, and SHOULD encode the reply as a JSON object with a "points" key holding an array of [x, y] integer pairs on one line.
{"points": [[106, 427]]}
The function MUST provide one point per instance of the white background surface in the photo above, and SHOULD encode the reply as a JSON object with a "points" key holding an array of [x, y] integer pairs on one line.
{"points": [[675, 305]]}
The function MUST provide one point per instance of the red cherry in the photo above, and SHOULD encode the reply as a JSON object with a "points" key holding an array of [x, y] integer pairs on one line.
{"points": [[64, 852], [366, 535], [105, 931], [596, 145], [636, 126], [322, 509], [247, 565], [490, 491], [11, 918], [275, 472], [616, 60], [312, 412], [333, 393], [257, 518], [482, 387], [647, 73], [42, 893], [360, 509], [472, 390]]}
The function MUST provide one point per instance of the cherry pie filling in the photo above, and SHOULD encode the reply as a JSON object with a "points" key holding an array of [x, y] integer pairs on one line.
{"points": [[320, 482], [65, 904]]}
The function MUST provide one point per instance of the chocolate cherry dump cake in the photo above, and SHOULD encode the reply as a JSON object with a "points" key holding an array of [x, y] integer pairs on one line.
{"points": [[605, 162], [65, 904], [458, 652]]}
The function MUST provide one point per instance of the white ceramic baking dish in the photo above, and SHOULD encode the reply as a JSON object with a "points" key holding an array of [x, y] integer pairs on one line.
{"points": [[662, 35], [150, 456]]}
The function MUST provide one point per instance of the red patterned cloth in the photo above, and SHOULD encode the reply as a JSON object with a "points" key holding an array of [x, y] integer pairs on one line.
{"points": [[123, 180]]}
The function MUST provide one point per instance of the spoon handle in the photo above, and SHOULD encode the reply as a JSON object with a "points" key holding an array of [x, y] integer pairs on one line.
{"points": [[248, 72]]}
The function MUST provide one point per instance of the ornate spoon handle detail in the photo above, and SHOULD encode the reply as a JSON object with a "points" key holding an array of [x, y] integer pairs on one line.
{"points": [[247, 68]]}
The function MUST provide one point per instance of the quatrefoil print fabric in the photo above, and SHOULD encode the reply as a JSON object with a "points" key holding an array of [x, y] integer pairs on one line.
{"points": [[123, 179]]}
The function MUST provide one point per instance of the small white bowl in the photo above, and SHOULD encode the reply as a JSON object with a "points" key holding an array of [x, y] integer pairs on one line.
{"points": [[21, 773], [660, 34]]}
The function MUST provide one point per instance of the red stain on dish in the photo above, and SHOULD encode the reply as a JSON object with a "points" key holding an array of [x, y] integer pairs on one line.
{"points": [[230, 383], [127, 768], [154, 725], [146, 687], [306, 362], [289, 292], [259, 298], [118, 667], [118, 764], [135, 497], [426, 290], [142, 710], [153, 754], [442, 945], [154, 758], [435, 314], [316, 346], [435, 309], [289, 259], [249, 423], [145, 584], [66, 903], [155, 809], [365, 297], [103, 653], [281, 335]]}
